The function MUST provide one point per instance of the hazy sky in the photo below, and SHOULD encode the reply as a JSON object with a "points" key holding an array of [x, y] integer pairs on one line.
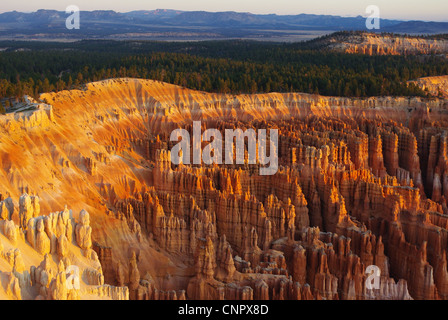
{"points": [[436, 10]]}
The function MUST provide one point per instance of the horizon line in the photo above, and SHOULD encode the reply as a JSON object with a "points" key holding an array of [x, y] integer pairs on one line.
{"points": [[233, 11]]}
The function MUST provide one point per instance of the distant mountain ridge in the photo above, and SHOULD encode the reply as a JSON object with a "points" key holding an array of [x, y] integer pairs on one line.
{"points": [[168, 24]]}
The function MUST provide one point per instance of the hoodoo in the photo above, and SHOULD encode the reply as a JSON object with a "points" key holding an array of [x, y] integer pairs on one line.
{"points": [[88, 188]]}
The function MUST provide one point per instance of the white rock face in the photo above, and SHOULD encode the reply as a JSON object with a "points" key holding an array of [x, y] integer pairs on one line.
{"points": [[66, 271]]}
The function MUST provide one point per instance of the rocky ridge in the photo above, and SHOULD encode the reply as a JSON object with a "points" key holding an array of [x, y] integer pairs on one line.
{"points": [[384, 44], [436, 86]]}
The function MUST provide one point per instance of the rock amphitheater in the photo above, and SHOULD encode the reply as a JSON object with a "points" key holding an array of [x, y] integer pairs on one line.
{"points": [[86, 184]]}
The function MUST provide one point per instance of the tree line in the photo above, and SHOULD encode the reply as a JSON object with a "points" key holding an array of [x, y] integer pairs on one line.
{"points": [[218, 66]]}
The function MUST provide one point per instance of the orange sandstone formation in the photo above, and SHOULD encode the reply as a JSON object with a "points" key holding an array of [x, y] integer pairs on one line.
{"points": [[385, 44], [361, 182]]}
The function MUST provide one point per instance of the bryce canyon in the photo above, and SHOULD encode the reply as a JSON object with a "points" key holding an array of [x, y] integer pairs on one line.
{"points": [[86, 180]]}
